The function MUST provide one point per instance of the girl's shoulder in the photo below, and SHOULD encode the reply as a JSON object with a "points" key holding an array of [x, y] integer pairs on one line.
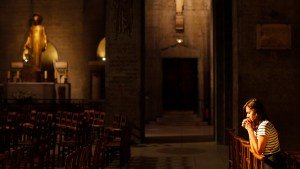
{"points": [[265, 123]]}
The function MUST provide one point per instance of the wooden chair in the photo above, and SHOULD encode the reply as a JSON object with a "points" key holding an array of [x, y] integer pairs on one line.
{"points": [[84, 157], [61, 117], [79, 158], [28, 127], [16, 158], [64, 148], [8, 137], [43, 117], [72, 159], [4, 159], [122, 120], [34, 131], [61, 134], [50, 131], [69, 162], [74, 122], [12, 129], [33, 157], [38, 117], [118, 124], [90, 114], [98, 158], [68, 118], [98, 124], [116, 121], [75, 135], [12, 117], [118, 146], [31, 120], [37, 155]]}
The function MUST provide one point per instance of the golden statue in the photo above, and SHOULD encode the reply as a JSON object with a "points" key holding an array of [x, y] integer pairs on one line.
{"points": [[36, 43]]}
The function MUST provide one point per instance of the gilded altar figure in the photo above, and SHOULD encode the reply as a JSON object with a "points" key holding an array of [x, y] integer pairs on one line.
{"points": [[36, 42]]}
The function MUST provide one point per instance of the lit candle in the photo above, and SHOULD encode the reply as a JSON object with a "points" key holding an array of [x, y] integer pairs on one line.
{"points": [[18, 74], [66, 73], [45, 74], [8, 74], [55, 74]]}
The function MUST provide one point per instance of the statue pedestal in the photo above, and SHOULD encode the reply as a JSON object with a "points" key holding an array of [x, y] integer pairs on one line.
{"points": [[62, 91], [29, 74]]}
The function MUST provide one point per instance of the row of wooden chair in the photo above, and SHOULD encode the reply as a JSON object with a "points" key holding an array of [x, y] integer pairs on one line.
{"points": [[85, 158], [113, 144], [26, 157], [67, 120], [241, 155], [13, 159], [28, 135], [116, 137], [96, 121], [67, 130], [72, 132]]}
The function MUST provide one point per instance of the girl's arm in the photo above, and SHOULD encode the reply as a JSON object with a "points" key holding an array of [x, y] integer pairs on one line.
{"points": [[256, 144]]}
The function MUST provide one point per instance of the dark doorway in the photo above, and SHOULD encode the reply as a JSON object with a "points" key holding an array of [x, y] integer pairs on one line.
{"points": [[180, 84]]}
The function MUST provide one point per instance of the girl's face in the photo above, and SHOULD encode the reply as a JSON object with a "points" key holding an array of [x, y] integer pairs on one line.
{"points": [[250, 114]]}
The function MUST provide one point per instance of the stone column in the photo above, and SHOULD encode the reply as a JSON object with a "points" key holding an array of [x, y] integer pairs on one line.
{"points": [[124, 61], [95, 87]]}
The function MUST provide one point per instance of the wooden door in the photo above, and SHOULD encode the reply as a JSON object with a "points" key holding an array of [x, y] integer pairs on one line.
{"points": [[180, 84]]}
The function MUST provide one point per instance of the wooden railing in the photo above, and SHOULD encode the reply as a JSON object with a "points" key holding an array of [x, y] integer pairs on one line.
{"points": [[240, 154], [292, 159]]}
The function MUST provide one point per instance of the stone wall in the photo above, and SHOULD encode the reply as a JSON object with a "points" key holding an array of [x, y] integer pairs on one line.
{"points": [[160, 43], [269, 74]]}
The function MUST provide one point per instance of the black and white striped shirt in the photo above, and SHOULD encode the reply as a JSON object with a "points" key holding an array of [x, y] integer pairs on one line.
{"points": [[266, 128]]}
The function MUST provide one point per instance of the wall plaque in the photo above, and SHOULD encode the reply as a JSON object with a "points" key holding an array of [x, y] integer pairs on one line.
{"points": [[273, 36]]}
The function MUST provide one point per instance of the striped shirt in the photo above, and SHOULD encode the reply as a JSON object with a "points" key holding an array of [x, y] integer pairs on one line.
{"points": [[266, 128]]}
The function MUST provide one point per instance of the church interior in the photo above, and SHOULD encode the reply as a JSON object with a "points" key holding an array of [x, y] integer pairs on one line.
{"points": [[96, 78]]}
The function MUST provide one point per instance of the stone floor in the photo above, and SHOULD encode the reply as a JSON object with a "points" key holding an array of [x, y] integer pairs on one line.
{"points": [[199, 155], [177, 147]]}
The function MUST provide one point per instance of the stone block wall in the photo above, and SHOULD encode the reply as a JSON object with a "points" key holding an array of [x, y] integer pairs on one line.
{"points": [[269, 74]]}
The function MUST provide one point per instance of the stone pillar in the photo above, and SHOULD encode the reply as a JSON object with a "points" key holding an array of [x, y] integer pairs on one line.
{"points": [[123, 65], [95, 87]]}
